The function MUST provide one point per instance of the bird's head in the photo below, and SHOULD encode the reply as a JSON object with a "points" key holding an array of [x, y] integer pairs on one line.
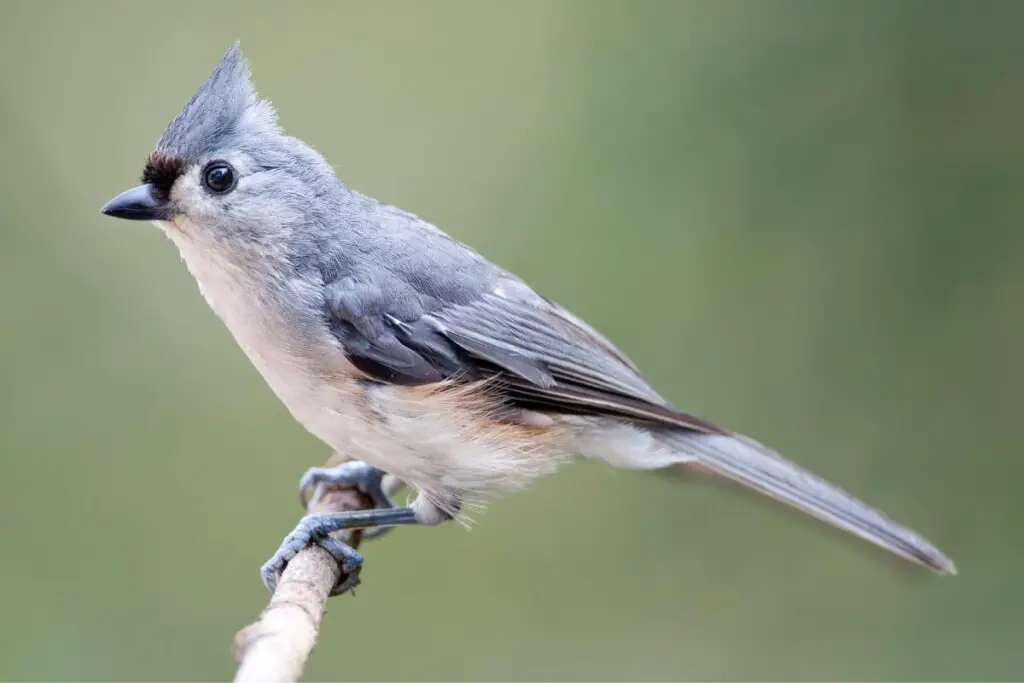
{"points": [[223, 170]]}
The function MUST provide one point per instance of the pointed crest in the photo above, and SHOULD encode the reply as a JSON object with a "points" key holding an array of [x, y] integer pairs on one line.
{"points": [[216, 111]]}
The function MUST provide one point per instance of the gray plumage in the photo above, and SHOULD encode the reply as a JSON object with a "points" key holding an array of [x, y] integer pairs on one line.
{"points": [[400, 346]]}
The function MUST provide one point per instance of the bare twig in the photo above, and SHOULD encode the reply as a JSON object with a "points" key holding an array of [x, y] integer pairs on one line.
{"points": [[275, 648]]}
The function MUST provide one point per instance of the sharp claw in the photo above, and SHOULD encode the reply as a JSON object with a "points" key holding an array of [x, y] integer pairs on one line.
{"points": [[271, 570], [369, 480], [270, 576], [312, 487], [310, 480], [349, 560], [318, 493]]}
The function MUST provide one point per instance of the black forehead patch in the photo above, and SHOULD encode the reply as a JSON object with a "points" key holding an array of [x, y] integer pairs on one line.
{"points": [[161, 171]]}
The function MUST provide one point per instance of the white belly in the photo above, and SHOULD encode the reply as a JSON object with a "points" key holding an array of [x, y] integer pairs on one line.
{"points": [[434, 440], [440, 441]]}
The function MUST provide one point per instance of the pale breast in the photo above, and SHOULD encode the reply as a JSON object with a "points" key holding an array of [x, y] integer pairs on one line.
{"points": [[305, 367], [440, 439]]}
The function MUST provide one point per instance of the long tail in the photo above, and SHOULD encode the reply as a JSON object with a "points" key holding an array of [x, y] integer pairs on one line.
{"points": [[751, 464]]}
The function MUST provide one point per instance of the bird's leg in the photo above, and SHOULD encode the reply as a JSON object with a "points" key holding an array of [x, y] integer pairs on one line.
{"points": [[369, 480], [317, 529]]}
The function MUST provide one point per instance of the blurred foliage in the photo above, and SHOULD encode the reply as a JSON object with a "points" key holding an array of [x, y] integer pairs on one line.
{"points": [[801, 218]]}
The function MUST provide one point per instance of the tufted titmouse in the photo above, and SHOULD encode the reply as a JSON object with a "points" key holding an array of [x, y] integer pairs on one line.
{"points": [[399, 346]]}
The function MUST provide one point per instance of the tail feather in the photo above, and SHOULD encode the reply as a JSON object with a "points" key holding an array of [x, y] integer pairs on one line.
{"points": [[751, 464]]}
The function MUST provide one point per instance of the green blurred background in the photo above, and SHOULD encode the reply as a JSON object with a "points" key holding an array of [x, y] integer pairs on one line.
{"points": [[803, 219]]}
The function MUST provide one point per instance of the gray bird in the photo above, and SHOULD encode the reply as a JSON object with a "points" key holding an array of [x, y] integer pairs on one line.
{"points": [[403, 348]]}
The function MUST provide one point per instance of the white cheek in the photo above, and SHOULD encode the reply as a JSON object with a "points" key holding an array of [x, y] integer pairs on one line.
{"points": [[191, 199]]}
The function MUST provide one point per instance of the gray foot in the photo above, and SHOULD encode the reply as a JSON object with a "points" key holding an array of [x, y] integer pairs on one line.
{"points": [[367, 479], [316, 529]]}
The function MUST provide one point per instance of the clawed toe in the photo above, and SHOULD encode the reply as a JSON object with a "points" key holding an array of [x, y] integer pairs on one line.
{"points": [[367, 479], [349, 560]]}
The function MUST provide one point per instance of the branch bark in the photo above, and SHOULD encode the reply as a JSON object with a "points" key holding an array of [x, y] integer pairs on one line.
{"points": [[274, 649]]}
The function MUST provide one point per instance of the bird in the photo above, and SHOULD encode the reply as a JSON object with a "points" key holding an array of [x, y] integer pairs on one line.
{"points": [[411, 354]]}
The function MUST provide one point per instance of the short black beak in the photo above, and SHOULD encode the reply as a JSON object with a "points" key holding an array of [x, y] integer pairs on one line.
{"points": [[137, 204]]}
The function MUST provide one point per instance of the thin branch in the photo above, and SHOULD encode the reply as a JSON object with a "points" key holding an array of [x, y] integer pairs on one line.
{"points": [[275, 648]]}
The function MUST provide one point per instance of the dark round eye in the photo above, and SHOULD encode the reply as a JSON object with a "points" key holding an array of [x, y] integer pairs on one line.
{"points": [[219, 177]]}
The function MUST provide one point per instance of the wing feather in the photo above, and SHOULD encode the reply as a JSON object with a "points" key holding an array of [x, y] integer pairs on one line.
{"points": [[586, 377], [542, 356]]}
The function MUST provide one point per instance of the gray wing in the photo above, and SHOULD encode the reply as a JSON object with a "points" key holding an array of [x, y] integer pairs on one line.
{"points": [[542, 357]]}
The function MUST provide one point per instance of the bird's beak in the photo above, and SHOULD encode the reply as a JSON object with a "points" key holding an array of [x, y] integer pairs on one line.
{"points": [[138, 204]]}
